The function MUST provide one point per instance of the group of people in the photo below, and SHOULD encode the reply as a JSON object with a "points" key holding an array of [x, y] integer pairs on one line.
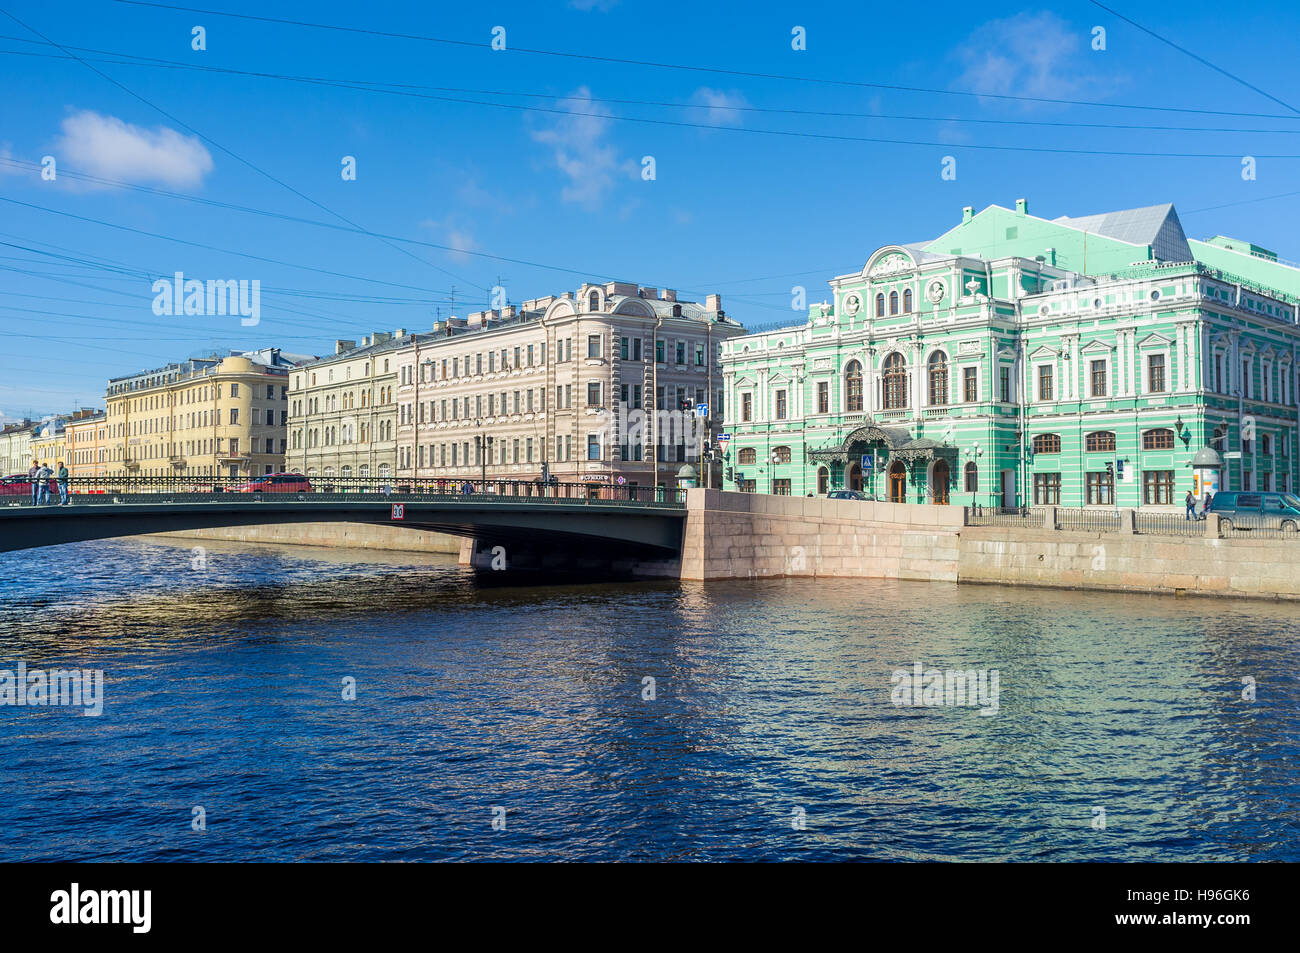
{"points": [[1190, 501], [45, 480]]}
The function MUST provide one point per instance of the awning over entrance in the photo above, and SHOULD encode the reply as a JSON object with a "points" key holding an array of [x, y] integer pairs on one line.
{"points": [[898, 441]]}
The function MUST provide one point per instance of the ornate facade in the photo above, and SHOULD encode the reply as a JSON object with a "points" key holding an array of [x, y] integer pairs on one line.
{"points": [[1019, 361]]}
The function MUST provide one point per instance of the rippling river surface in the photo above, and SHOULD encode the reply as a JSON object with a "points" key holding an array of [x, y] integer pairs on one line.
{"points": [[772, 711]]}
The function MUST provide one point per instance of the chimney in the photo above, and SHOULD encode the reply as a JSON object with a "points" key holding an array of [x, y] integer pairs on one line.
{"points": [[399, 333], [379, 337], [651, 293], [1022, 206], [713, 303], [967, 214], [670, 294]]}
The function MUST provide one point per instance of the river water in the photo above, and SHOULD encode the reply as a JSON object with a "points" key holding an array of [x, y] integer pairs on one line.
{"points": [[515, 722]]}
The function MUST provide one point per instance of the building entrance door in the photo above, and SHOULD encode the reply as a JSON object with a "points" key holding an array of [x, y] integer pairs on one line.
{"points": [[897, 483], [939, 478], [854, 477], [1008, 489]]}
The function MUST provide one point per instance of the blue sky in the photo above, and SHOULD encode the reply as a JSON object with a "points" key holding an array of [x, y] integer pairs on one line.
{"points": [[731, 209]]}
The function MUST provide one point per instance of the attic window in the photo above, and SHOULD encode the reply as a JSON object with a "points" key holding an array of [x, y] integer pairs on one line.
{"points": [[1013, 231]]}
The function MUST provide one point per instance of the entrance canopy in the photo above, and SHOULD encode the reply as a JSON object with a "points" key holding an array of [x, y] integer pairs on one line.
{"points": [[898, 441]]}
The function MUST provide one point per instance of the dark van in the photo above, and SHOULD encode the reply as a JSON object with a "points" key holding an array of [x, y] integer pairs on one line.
{"points": [[1250, 510]]}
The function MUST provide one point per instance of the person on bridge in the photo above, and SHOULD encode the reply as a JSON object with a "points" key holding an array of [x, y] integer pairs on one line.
{"points": [[63, 484], [33, 476], [1191, 506], [43, 480], [468, 488]]}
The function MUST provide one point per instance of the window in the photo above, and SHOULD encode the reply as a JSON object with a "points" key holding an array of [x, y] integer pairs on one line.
{"points": [[1047, 489], [880, 305], [681, 352], [823, 481], [1099, 378], [1100, 488], [746, 407], [853, 387], [659, 352], [823, 397], [1156, 373], [781, 455], [1047, 443], [1160, 439], [1158, 487], [1100, 441], [938, 379], [699, 355], [1266, 445], [593, 301], [893, 302], [1045, 381], [593, 446], [780, 405], [895, 381], [972, 478], [1246, 390], [593, 345], [593, 393], [970, 384], [747, 457], [781, 487], [907, 301], [1218, 373], [1004, 384], [234, 415]]}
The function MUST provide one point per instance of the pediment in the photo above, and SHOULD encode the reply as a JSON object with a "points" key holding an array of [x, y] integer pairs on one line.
{"points": [[1155, 339]]}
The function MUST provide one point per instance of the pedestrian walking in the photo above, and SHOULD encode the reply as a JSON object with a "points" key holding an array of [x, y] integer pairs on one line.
{"points": [[63, 484], [1191, 505], [1205, 507], [43, 481], [33, 477]]}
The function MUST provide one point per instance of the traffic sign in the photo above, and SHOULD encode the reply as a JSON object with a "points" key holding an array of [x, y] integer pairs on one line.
{"points": [[868, 461], [701, 410], [622, 480], [724, 438], [740, 478], [399, 511]]}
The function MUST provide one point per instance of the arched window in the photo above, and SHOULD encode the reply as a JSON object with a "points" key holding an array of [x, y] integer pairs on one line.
{"points": [[972, 478], [593, 301], [853, 387], [780, 454], [1266, 445], [893, 302], [938, 379], [1047, 443], [895, 381], [1161, 438], [823, 481], [747, 457], [880, 307], [907, 301], [1099, 441]]}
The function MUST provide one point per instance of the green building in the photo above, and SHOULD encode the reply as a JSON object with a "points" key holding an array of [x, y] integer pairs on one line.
{"points": [[1017, 360]]}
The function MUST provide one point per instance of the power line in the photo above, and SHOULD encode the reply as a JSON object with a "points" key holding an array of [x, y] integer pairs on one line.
{"points": [[131, 59], [1200, 59], [424, 38], [222, 148]]}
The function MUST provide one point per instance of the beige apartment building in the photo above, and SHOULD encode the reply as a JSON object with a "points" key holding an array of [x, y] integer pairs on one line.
{"points": [[85, 436], [343, 409], [16, 448], [223, 416], [597, 386]]}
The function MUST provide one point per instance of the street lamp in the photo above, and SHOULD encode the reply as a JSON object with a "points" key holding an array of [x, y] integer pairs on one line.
{"points": [[972, 454], [484, 443]]}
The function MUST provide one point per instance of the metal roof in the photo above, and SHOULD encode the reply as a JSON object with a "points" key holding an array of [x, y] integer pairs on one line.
{"points": [[1154, 225]]}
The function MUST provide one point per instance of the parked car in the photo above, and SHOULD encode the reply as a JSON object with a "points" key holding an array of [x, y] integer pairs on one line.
{"points": [[275, 483], [1242, 510], [850, 495], [19, 484]]}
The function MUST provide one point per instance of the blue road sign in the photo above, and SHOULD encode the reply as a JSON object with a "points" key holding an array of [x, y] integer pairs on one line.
{"points": [[868, 461], [701, 410]]}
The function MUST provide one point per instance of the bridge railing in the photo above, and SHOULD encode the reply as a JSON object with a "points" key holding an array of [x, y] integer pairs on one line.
{"points": [[154, 489]]}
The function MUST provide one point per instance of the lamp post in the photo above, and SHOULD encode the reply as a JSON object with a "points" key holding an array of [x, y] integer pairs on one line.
{"points": [[972, 454], [484, 444]]}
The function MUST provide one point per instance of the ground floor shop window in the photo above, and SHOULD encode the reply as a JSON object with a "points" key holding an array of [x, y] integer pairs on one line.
{"points": [[1101, 489], [1047, 489], [781, 487], [1158, 487]]}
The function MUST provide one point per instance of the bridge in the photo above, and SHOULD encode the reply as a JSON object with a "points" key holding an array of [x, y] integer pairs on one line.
{"points": [[560, 524]]}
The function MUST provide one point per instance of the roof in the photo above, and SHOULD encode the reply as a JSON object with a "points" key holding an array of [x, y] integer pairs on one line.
{"points": [[1154, 225]]}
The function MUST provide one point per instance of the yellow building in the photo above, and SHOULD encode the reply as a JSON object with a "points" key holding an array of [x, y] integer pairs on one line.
{"points": [[206, 417]]}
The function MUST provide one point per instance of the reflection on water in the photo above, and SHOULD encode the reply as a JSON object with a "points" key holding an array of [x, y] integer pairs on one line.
{"points": [[223, 690]]}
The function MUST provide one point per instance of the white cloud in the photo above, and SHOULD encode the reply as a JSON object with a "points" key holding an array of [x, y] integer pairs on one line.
{"points": [[1030, 54], [580, 151], [722, 105], [106, 146], [456, 237]]}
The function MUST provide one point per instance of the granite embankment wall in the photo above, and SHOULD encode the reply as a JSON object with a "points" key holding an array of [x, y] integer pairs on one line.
{"points": [[742, 535], [1175, 565], [334, 535]]}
